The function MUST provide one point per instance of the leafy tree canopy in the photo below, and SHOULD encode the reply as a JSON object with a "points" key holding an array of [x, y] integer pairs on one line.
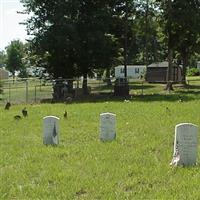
{"points": [[15, 53]]}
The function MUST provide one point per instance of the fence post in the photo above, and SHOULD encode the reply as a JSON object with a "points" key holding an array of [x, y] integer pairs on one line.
{"points": [[142, 87], [9, 93], [77, 83], [40, 85], [26, 91], [35, 93]]}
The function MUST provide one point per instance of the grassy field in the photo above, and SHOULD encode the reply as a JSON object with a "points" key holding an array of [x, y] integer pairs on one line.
{"points": [[134, 166]]}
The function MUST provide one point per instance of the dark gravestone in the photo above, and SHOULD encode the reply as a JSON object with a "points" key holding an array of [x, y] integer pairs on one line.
{"points": [[58, 93], [121, 87]]}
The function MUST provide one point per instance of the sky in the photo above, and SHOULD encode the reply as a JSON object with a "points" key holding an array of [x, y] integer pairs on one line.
{"points": [[10, 28]]}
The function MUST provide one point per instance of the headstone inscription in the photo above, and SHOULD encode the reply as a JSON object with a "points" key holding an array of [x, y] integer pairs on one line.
{"points": [[185, 145], [107, 126], [51, 130]]}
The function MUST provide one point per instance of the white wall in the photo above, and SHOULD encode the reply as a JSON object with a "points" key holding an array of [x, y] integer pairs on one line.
{"points": [[198, 65], [133, 71], [4, 74]]}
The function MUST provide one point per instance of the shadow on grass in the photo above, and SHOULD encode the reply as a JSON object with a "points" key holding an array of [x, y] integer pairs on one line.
{"points": [[180, 97], [140, 87], [133, 86], [105, 94], [197, 87], [109, 97], [103, 88], [188, 92]]}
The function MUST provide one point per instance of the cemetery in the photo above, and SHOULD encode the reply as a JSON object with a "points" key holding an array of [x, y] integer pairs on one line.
{"points": [[145, 147], [100, 101]]}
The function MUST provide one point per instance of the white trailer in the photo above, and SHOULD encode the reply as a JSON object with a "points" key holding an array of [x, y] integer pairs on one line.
{"points": [[133, 71], [198, 65]]}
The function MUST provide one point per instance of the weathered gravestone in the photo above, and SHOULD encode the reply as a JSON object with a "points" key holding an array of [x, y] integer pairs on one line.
{"points": [[51, 130], [185, 145], [107, 126]]}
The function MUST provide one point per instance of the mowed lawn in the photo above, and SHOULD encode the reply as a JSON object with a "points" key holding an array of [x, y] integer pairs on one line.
{"points": [[134, 166]]}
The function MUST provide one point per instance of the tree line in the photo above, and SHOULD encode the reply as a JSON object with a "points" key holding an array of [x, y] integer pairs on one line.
{"points": [[76, 38]]}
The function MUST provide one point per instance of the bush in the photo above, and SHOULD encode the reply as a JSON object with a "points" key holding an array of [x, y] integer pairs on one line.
{"points": [[23, 73], [193, 72]]}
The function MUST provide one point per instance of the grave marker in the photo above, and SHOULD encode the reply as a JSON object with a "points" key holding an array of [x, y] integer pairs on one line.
{"points": [[51, 130], [185, 145], [107, 126]]}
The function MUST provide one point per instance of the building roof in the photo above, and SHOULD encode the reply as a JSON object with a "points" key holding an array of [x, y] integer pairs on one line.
{"points": [[4, 70], [160, 64], [130, 66]]}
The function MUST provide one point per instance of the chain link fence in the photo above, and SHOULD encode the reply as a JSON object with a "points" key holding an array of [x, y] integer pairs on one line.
{"points": [[38, 90]]}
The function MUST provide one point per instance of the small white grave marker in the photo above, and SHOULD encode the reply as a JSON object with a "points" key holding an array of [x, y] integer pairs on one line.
{"points": [[185, 145], [107, 126], [51, 130]]}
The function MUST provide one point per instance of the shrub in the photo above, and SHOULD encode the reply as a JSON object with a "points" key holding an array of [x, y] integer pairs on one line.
{"points": [[193, 72]]}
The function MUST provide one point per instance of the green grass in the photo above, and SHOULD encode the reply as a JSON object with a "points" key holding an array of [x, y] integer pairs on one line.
{"points": [[134, 166]]}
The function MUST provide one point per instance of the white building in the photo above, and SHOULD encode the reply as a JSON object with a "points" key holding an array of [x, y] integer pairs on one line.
{"points": [[4, 74], [133, 71], [198, 65]]}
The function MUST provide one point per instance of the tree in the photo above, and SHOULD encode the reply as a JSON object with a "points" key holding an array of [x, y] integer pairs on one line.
{"points": [[74, 34], [75, 38], [181, 27], [170, 45], [166, 21], [93, 27], [150, 46], [15, 52], [53, 28], [2, 59], [186, 30]]}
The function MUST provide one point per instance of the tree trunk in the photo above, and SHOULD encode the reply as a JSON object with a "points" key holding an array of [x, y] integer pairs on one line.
{"points": [[169, 79], [146, 32], [70, 86], [184, 59], [125, 39], [13, 76], [108, 80], [169, 84], [84, 86]]}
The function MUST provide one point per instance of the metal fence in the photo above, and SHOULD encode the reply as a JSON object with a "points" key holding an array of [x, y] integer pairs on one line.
{"points": [[38, 90], [25, 90]]}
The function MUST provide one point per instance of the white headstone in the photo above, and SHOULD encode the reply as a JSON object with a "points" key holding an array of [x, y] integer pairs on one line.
{"points": [[185, 145], [51, 130], [107, 126]]}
